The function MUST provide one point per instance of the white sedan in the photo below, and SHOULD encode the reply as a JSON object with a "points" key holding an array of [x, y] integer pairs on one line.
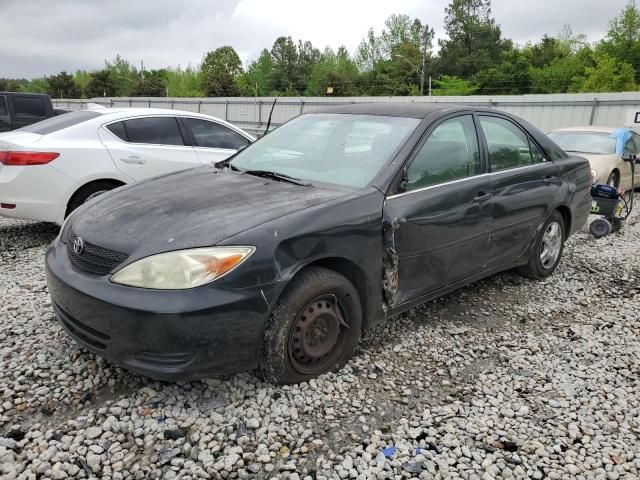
{"points": [[50, 168]]}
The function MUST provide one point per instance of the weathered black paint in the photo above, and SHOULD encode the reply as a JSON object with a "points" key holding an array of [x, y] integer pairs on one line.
{"points": [[442, 237]]}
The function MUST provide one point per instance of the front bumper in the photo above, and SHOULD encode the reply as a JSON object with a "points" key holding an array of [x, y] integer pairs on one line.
{"points": [[168, 335]]}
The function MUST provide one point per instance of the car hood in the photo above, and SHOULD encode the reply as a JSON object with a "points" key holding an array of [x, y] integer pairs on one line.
{"points": [[192, 208]]}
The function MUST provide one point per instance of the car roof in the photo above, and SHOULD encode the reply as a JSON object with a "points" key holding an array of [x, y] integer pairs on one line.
{"points": [[390, 109], [133, 111]]}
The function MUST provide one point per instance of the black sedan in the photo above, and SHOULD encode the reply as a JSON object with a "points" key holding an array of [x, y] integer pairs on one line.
{"points": [[281, 257]]}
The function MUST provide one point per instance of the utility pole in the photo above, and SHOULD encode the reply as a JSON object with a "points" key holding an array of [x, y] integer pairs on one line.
{"points": [[424, 58], [429, 85]]}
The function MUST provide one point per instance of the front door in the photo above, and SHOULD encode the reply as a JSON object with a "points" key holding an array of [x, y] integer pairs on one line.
{"points": [[443, 219], [5, 118], [525, 187], [146, 147]]}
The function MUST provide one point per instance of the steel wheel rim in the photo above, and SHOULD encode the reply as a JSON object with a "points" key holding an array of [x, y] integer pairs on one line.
{"points": [[317, 336], [551, 245]]}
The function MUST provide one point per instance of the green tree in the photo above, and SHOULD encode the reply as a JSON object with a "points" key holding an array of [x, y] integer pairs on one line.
{"points": [[510, 77], [124, 75], [63, 86], [101, 84], [609, 75], [220, 68], [369, 52], [151, 86], [450, 86], [622, 41], [284, 78], [474, 40], [9, 85], [400, 75], [335, 70], [257, 79]]}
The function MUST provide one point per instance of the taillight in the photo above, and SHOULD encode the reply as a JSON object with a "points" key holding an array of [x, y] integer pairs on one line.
{"points": [[27, 158]]}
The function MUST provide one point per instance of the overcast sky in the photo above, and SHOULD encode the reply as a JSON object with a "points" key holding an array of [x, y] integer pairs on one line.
{"points": [[43, 37]]}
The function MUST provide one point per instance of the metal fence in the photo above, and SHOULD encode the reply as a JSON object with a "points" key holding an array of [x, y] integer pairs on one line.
{"points": [[547, 112]]}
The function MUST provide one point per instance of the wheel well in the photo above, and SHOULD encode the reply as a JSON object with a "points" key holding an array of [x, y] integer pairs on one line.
{"points": [[566, 216], [353, 273], [109, 181]]}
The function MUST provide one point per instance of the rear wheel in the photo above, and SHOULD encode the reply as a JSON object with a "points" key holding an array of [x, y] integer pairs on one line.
{"points": [[314, 328], [89, 192], [547, 249]]}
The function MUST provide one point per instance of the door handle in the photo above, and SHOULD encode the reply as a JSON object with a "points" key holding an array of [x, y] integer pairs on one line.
{"points": [[133, 159], [549, 179], [483, 197]]}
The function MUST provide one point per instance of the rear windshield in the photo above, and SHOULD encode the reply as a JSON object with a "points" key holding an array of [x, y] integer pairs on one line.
{"points": [[60, 122], [585, 142]]}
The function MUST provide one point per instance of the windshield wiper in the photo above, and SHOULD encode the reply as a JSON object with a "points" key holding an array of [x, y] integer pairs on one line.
{"points": [[277, 176]]}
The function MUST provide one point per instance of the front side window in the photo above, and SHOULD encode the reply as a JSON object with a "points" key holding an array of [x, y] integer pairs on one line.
{"points": [[3, 107], [450, 153], [213, 135], [340, 149], [154, 130], [28, 107], [509, 146]]}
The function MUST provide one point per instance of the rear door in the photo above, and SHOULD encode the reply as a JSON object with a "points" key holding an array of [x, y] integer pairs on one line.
{"points": [[146, 147], [5, 118], [213, 141], [27, 109], [525, 186], [443, 219]]}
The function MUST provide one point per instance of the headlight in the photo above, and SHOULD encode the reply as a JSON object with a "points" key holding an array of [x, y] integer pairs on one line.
{"points": [[183, 268]]}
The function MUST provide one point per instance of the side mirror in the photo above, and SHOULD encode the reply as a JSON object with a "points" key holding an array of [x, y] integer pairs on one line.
{"points": [[631, 158]]}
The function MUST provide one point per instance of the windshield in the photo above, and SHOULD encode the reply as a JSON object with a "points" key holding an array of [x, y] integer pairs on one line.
{"points": [[346, 150], [59, 122], [585, 142]]}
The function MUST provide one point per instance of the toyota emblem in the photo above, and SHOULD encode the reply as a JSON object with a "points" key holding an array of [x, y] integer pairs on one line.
{"points": [[78, 245]]}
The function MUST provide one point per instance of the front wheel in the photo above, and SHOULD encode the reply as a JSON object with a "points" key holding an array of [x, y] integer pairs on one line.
{"points": [[314, 328], [547, 250], [614, 180]]}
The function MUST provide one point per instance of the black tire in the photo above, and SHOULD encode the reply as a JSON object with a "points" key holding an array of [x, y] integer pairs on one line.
{"points": [[87, 192], [536, 268], [614, 180], [314, 328]]}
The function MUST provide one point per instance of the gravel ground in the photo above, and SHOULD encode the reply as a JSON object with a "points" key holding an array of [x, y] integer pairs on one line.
{"points": [[508, 378]]}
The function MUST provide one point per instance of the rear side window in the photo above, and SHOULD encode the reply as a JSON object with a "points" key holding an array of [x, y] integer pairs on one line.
{"points": [[154, 130], [118, 130], [450, 153], [3, 107], [54, 124], [28, 107], [213, 135], [509, 146]]}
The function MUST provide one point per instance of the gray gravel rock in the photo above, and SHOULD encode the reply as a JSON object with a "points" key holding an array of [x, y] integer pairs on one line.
{"points": [[508, 378]]}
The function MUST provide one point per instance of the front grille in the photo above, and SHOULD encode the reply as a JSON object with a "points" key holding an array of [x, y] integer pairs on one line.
{"points": [[94, 259]]}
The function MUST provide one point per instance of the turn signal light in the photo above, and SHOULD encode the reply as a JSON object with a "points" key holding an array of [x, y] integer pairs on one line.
{"points": [[27, 158]]}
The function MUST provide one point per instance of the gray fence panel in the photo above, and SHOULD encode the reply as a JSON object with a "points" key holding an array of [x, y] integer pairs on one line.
{"points": [[547, 112]]}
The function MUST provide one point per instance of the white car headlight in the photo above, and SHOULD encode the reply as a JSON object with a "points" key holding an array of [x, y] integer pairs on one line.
{"points": [[183, 268]]}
